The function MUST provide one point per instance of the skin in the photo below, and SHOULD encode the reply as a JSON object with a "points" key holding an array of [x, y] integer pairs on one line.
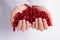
{"points": [[39, 24], [24, 25]]}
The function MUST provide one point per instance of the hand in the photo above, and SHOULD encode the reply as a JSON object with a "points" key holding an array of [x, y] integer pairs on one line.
{"points": [[39, 24], [22, 24]]}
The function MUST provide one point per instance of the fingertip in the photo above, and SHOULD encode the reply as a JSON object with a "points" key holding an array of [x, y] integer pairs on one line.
{"points": [[23, 26], [24, 20], [33, 25], [27, 25], [41, 28], [36, 23], [36, 19], [45, 24], [19, 25], [39, 18]]}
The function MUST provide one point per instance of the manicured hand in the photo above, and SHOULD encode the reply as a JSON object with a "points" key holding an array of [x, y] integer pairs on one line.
{"points": [[22, 24], [39, 24]]}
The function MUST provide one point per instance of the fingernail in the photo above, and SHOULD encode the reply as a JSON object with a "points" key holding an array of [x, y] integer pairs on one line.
{"points": [[39, 18], [20, 20], [43, 19], [27, 21], [36, 19], [24, 20]]}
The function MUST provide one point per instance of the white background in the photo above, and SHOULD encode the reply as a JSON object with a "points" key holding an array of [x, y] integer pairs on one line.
{"points": [[53, 33]]}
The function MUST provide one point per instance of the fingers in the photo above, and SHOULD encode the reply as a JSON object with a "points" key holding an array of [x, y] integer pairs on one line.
{"points": [[19, 25], [36, 23], [27, 25], [33, 25], [41, 25], [41, 8], [23, 25], [45, 24], [30, 25]]}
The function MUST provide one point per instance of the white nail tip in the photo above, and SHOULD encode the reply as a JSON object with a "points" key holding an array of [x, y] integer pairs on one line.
{"points": [[23, 20], [39, 18], [43, 19], [27, 22]]}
